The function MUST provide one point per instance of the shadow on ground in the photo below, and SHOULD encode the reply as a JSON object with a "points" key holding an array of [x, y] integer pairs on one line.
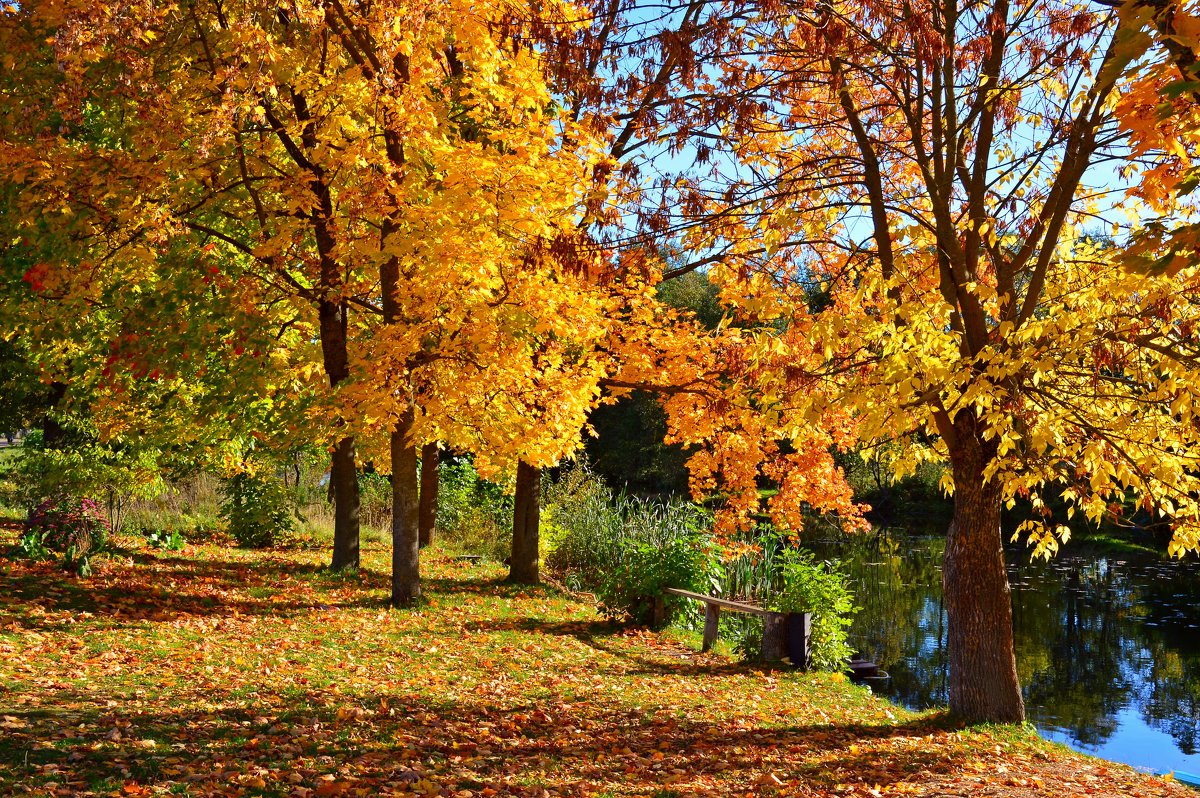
{"points": [[380, 741], [420, 727], [41, 596]]}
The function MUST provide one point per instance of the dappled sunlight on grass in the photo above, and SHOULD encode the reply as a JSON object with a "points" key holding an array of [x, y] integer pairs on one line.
{"points": [[228, 672]]}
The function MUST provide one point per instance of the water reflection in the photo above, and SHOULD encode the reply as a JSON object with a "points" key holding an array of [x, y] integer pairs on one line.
{"points": [[1108, 650]]}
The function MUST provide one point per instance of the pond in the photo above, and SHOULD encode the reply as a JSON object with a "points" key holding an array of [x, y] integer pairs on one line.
{"points": [[1108, 648]]}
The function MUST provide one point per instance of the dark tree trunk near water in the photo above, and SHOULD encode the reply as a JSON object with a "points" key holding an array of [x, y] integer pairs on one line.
{"points": [[983, 668], [427, 513], [526, 517], [406, 539]]}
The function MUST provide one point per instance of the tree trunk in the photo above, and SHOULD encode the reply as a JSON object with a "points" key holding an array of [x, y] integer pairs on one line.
{"points": [[983, 666], [53, 435], [343, 482], [343, 476], [406, 547], [429, 492], [526, 511]]}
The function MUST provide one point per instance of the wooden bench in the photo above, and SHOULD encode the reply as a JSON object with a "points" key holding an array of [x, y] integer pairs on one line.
{"points": [[786, 635]]}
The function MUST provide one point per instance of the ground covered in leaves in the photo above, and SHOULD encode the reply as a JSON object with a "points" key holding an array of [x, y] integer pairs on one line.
{"points": [[227, 672]]}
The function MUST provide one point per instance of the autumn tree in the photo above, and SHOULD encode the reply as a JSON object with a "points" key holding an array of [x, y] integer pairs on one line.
{"points": [[900, 202], [207, 141], [1161, 112], [136, 375], [669, 88], [927, 166], [404, 160]]}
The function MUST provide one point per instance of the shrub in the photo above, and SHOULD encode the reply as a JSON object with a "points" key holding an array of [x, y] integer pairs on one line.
{"points": [[821, 589], [641, 569], [474, 516], [580, 524], [257, 510], [375, 500], [110, 473], [626, 550], [72, 526]]}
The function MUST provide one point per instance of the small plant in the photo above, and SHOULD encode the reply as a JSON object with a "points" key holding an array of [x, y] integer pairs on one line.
{"points": [[257, 510], [166, 539], [32, 545], [819, 588], [72, 526]]}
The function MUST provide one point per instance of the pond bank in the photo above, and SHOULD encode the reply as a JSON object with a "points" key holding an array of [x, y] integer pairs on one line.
{"points": [[1108, 645]]}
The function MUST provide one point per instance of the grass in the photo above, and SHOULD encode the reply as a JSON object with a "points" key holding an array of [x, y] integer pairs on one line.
{"points": [[218, 671], [1107, 542]]}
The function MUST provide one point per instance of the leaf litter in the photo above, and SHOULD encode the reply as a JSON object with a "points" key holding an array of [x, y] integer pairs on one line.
{"points": [[222, 672]]}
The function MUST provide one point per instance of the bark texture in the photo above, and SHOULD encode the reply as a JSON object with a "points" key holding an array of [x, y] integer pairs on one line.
{"points": [[526, 514], [406, 546], [343, 476], [429, 492], [343, 483], [983, 668]]}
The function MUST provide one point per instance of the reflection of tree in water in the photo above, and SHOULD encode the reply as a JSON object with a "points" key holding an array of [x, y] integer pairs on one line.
{"points": [[1169, 698], [897, 582], [1076, 662], [1093, 637]]}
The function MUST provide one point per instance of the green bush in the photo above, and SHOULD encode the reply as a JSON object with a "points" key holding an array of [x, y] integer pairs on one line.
{"points": [[113, 474], [474, 516], [579, 524], [624, 549], [640, 570], [257, 510], [821, 589]]}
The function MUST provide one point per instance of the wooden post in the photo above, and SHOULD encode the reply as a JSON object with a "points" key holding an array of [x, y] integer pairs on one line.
{"points": [[799, 637], [712, 620], [775, 637]]}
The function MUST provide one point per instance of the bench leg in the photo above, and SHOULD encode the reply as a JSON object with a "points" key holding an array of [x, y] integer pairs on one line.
{"points": [[799, 638], [712, 620], [775, 637]]}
